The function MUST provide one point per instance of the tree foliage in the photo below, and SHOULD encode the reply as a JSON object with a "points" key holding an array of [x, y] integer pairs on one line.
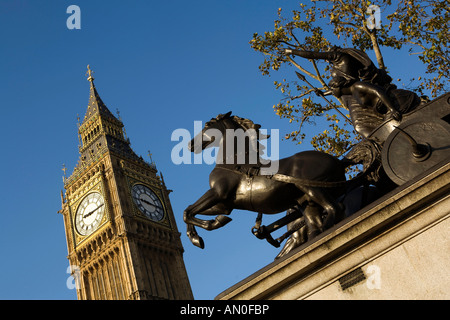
{"points": [[421, 27], [424, 26]]}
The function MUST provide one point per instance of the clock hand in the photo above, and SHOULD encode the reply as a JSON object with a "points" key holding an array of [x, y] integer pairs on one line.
{"points": [[149, 203], [89, 213]]}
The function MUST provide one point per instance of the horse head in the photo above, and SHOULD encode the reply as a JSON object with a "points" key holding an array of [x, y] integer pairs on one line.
{"points": [[207, 138], [225, 126]]}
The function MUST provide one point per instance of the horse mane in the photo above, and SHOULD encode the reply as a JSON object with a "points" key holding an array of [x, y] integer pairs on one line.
{"points": [[245, 124]]}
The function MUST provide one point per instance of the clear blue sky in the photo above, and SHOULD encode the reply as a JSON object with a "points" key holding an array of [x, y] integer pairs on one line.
{"points": [[163, 64]]}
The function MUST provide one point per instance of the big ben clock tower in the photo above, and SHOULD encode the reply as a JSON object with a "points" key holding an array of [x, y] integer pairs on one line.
{"points": [[122, 238]]}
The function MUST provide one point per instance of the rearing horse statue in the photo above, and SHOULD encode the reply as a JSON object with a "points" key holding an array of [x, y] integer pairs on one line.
{"points": [[236, 181]]}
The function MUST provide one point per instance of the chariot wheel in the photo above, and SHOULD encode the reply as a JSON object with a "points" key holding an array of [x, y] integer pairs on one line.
{"points": [[414, 147]]}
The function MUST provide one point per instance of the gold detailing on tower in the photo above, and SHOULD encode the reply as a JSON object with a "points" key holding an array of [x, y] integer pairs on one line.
{"points": [[89, 74]]}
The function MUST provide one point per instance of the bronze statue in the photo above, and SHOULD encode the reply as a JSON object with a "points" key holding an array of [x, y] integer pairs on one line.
{"points": [[240, 186], [404, 137], [377, 108], [366, 90], [311, 185]]}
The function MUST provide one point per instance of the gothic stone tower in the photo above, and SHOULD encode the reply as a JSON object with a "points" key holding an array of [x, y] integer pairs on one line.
{"points": [[122, 238]]}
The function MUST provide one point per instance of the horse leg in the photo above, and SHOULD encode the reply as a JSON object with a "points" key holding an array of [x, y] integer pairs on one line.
{"points": [[313, 219], [205, 201], [295, 240], [208, 200], [320, 199], [298, 237], [219, 210], [209, 203], [194, 237]]}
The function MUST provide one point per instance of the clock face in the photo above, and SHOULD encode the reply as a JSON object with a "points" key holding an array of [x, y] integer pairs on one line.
{"points": [[90, 213], [147, 202]]}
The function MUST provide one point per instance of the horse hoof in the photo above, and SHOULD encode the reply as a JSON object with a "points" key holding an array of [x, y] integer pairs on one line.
{"points": [[294, 241], [196, 240], [199, 243]]}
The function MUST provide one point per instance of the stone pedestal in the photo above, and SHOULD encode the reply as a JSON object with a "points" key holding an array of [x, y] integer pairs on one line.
{"points": [[395, 248]]}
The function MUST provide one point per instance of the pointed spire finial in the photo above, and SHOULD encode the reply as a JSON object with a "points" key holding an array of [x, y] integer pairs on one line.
{"points": [[64, 169], [150, 156], [118, 114], [152, 163], [89, 74]]}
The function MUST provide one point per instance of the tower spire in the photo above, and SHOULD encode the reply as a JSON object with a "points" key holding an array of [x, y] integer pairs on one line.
{"points": [[96, 105], [100, 131]]}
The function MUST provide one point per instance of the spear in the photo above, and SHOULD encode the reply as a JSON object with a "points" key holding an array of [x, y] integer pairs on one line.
{"points": [[320, 93]]}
